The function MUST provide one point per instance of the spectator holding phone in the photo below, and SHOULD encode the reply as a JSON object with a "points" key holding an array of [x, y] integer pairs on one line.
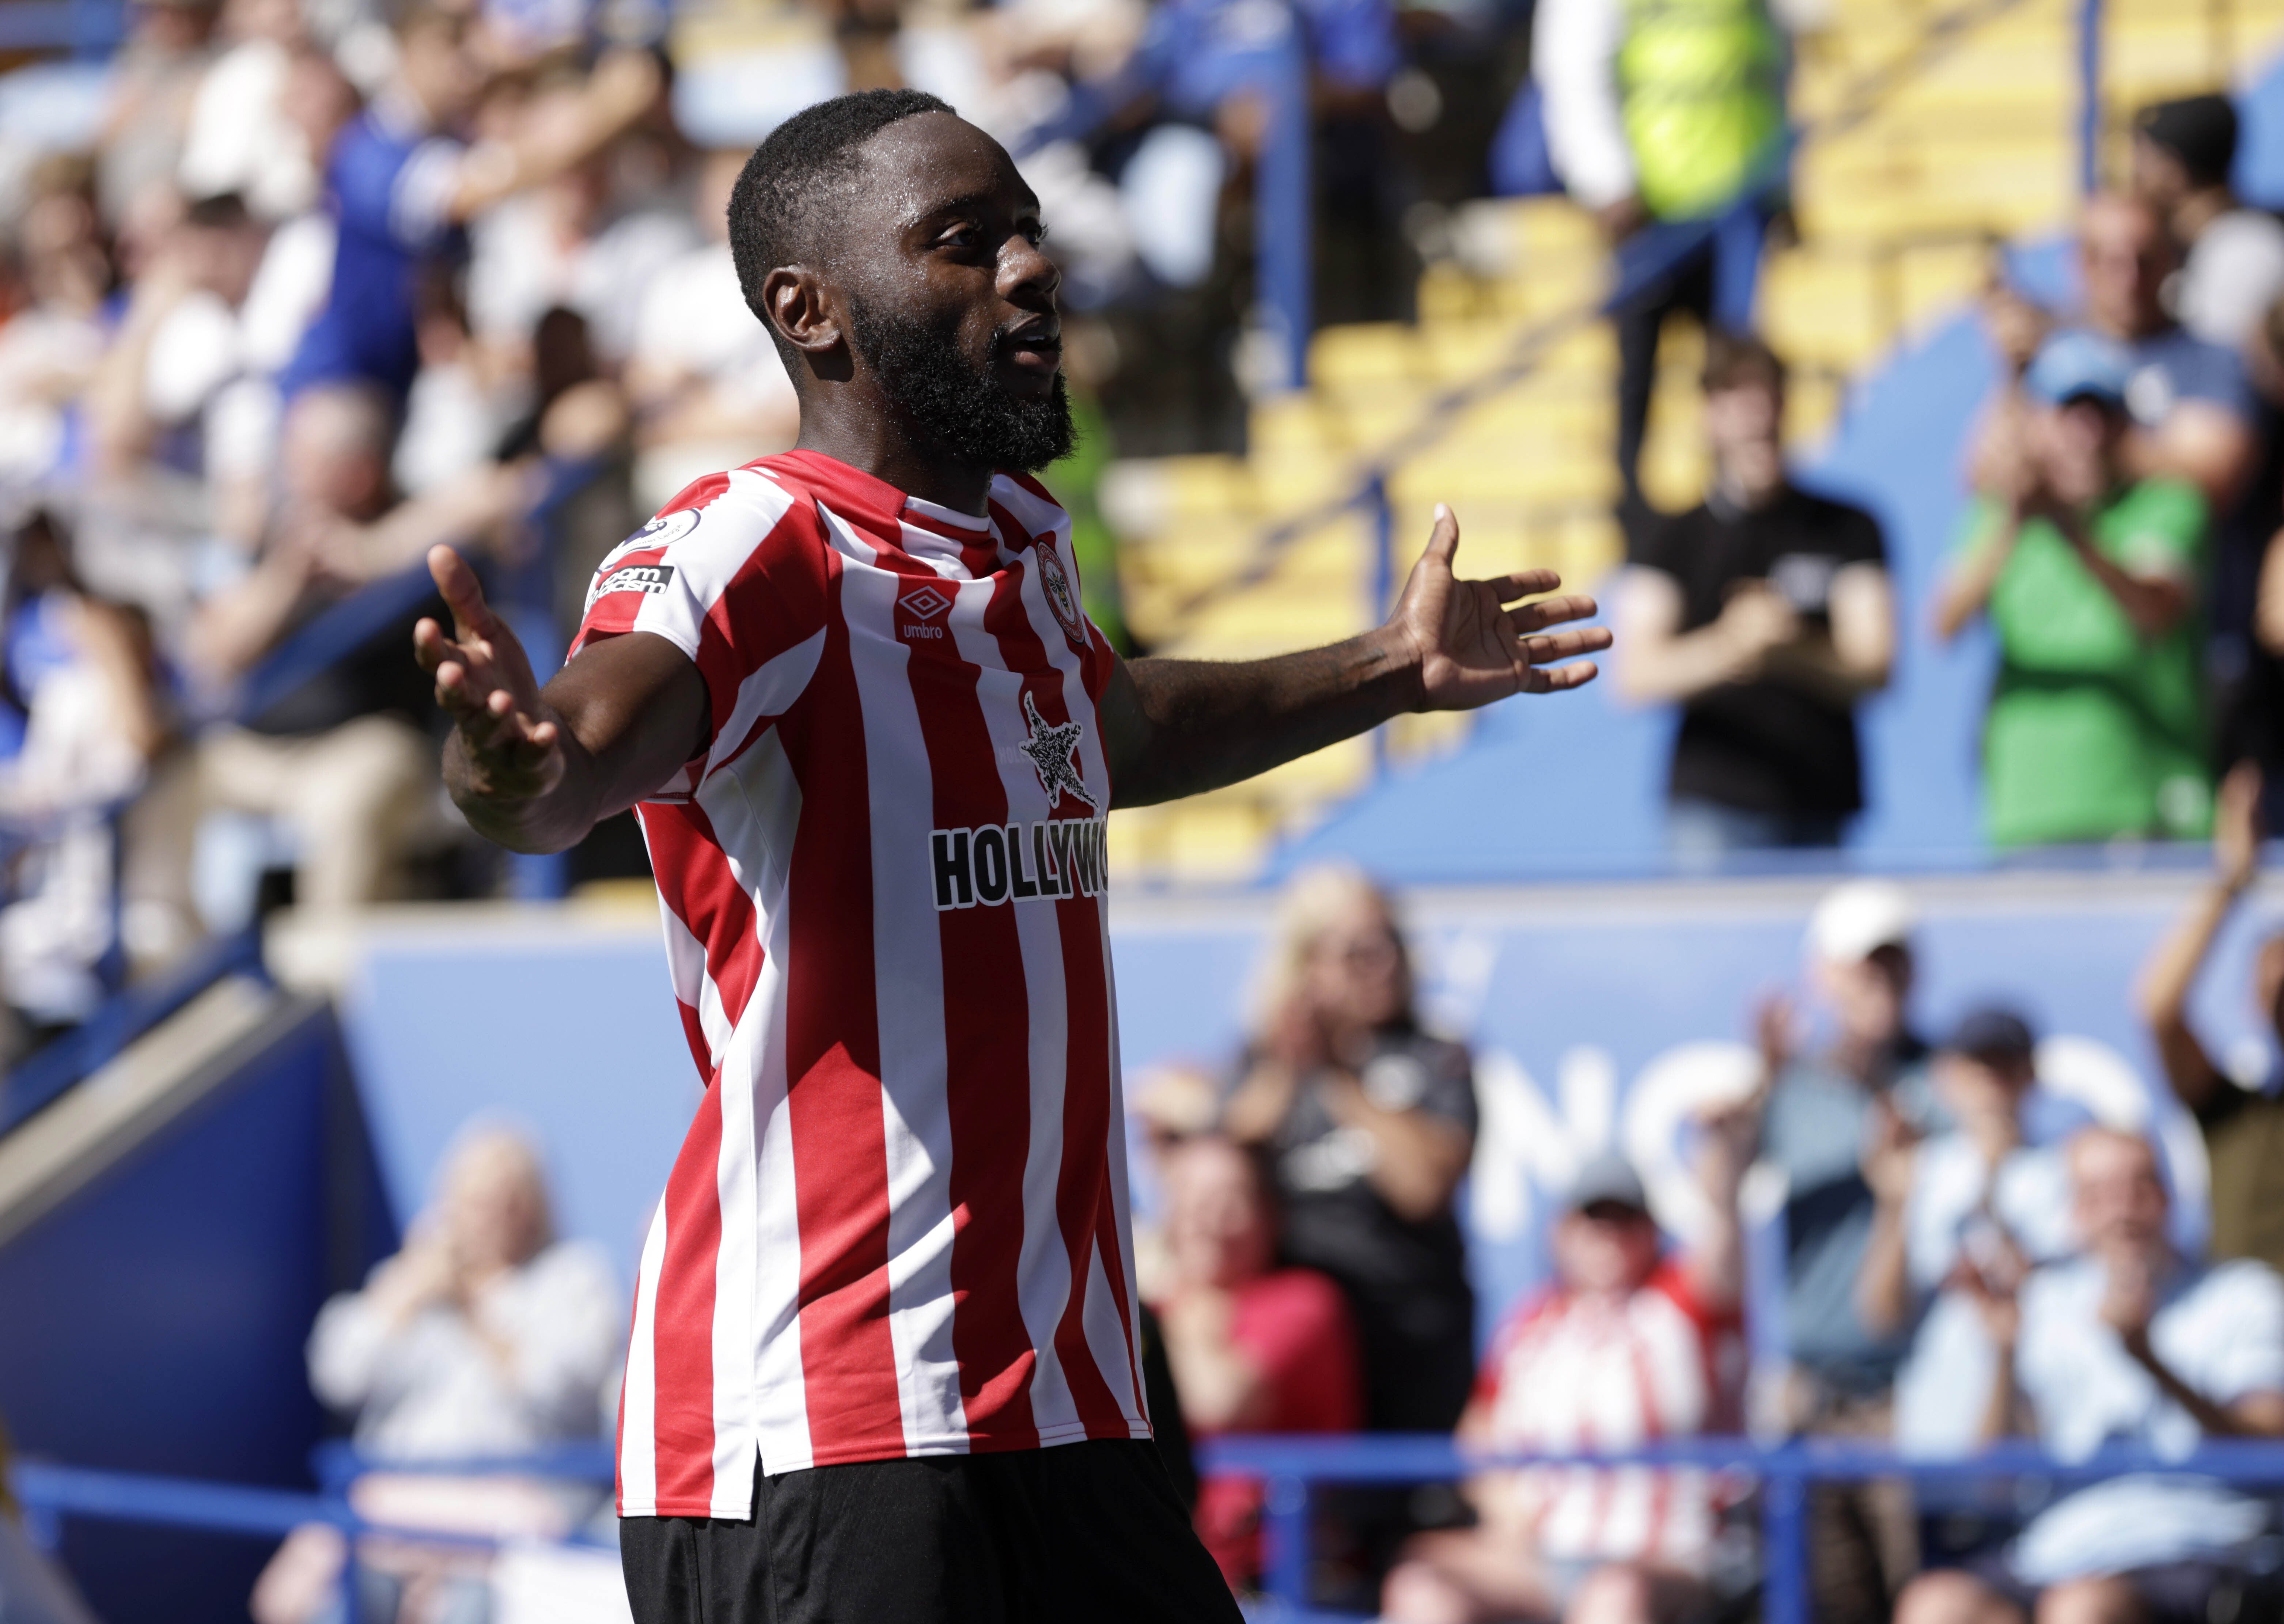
{"points": [[1766, 613]]}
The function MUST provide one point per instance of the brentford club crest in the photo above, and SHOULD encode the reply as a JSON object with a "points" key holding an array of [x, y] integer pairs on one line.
{"points": [[1055, 581]]}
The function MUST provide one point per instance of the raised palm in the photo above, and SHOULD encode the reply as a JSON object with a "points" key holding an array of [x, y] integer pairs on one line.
{"points": [[1473, 647]]}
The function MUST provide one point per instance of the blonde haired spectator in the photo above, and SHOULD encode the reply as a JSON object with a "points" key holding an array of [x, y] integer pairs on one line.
{"points": [[1367, 1122]]}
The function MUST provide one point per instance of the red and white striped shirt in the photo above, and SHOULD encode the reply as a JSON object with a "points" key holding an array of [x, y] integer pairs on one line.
{"points": [[1571, 1374], [899, 1224]]}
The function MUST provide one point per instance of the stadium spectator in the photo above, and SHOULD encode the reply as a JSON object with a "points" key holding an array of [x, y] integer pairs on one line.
{"points": [[704, 379], [1369, 1122], [401, 183], [1657, 120], [341, 761], [1253, 1347], [2189, 403], [241, 136], [2128, 1342], [2241, 1118], [81, 720], [59, 271], [1962, 1217], [1766, 613], [1624, 1346], [1815, 1128], [2090, 577], [2232, 268], [155, 80], [484, 1337]]}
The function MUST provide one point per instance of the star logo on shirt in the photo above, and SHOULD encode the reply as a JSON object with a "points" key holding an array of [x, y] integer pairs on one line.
{"points": [[1054, 753]]}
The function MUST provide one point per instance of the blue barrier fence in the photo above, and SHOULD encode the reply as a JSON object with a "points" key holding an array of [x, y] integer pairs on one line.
{"points": [[1293, 1470]]}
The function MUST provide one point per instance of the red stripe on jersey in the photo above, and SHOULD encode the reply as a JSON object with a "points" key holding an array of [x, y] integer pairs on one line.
{"points": [[1082, 1186], [681, 1333], [695, 880], [697, 493], [773, 602], [833, 1071]]}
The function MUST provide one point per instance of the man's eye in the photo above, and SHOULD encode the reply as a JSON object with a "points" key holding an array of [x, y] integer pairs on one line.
{"points": [[957, 236], [1037, 231]]}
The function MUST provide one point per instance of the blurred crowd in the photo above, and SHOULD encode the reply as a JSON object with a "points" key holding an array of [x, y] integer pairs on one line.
{"points": [[1960, 1257], [328, 282], [1957, 1252], [2120, 547]]}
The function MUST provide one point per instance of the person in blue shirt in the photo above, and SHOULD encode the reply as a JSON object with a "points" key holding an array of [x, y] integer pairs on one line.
{"points": [[2194, 411], [401, 182]]}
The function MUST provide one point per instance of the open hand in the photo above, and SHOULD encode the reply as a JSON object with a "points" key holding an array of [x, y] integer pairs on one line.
{"points": [[511, 751], [1471, 649]]}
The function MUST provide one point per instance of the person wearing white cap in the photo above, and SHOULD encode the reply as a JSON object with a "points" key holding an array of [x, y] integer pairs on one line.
{"points": [[1826, 1108]]}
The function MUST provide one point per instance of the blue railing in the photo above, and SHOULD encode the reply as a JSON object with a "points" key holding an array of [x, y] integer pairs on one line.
{"points": [[1292, 1469]]}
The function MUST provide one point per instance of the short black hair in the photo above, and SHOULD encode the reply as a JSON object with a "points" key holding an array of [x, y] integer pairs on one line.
{"points": [[775, 203], [2200, 131]]}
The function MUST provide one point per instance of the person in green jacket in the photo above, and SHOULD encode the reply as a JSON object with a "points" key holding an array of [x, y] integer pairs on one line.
{"points": [[2090, 581]]}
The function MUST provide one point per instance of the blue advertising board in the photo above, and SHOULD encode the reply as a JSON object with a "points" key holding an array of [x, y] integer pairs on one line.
{"points": [[1599, 1015]]}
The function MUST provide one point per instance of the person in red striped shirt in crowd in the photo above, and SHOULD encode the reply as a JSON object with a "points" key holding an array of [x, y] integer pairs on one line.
{"points": [[1254, 1348], [884, 1361], [1628, 1346]]}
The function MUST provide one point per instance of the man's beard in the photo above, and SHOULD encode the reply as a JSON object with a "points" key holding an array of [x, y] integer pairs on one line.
{"points": [[965, 411]]}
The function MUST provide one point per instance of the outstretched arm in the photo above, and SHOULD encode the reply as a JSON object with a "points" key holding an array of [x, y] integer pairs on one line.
{"points": [[1178, 727], [535, 769], [2172, 971]]}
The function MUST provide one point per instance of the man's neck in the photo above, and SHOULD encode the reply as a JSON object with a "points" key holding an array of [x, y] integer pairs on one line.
{"points": [[872, 443]]}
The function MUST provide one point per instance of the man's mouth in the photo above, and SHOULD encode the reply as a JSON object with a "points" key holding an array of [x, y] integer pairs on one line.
{"points": [[1033, 342]]}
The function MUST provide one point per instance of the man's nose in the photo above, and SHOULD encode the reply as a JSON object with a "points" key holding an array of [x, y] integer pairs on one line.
{"points": [[1027, 276]]}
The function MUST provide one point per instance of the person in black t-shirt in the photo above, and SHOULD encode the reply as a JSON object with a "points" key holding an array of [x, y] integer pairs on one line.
{"points": [[1766, 612]]}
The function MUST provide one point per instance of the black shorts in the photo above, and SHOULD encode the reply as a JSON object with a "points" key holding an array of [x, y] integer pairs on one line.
{"points": [[1082, 1532]]}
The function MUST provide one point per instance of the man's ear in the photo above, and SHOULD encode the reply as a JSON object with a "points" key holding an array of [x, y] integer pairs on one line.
{"points": [[806, 316]]}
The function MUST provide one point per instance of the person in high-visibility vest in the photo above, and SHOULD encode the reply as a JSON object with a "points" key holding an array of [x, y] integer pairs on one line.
{"points": [[1661, 113]]}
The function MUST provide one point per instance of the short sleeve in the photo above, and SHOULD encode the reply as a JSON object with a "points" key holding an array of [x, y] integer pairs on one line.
{"points": [[1932, 1216], [732, 572], [2245, 1353], [2214, 374], [1857, 538], [392, 192], [1425, 1074]]}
